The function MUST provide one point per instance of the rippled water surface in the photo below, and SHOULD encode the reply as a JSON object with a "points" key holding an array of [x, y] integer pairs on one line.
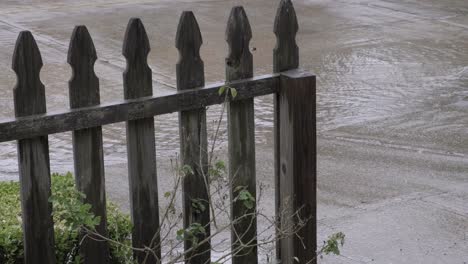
{"points": [[387, 69]]}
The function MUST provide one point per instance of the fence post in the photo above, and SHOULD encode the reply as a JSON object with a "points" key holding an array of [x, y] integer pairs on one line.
{"points": [[298, 161], [285, 57], [87, 143], [241, 140], [141, 148], [193, 136], [33, 155]]}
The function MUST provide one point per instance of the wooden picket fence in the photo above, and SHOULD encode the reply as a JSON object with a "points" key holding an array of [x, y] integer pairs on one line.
{"points": [[295, 135]]}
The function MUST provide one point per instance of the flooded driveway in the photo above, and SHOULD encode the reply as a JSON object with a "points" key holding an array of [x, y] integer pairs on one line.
{"points": [[392, 106]]}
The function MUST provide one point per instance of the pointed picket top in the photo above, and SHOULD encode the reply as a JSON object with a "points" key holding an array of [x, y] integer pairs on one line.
{"points": [[81, 46], [286, 16], [238, 35], [84, 84], [189, 69], [286, 52], [136, 47], [136, 42], [29, 92], [188, 38]]}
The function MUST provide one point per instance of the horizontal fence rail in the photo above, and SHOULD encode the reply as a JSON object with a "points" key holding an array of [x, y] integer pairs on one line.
{"points": [[104, 114], [294, 132]]}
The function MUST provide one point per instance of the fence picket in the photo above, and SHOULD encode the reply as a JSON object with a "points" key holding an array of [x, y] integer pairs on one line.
{"points": [[295, 140], [295, 143], [87, 143], [193, 137], [33, 155], [285, 57], [141, 148], [241, 140]]}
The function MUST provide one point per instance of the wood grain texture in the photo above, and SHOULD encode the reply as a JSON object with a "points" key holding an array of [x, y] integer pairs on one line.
{"points": [[132, 109], [286, 51], [241, 140], [141, 147], [193, 137], [298, 162], [87, 143], [33, 155], [285, 57]]}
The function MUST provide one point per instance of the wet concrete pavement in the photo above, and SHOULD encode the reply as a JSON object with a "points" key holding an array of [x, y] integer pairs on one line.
{"points": [[392, 107]]}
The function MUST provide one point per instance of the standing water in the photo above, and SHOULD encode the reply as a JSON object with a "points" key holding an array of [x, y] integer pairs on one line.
{"points": [[384, 69], [392, 93]]}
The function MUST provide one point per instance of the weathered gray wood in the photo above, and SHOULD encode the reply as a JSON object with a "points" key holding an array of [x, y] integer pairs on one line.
{"points": [[33, 155], [285, 57], [75, 119], [286, 52], [87, 143], [241, 140], [193, 137], [298, 161], [141, 147]]}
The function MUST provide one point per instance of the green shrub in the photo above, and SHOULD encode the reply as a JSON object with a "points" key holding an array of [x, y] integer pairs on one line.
{"points": [[69, 214]]}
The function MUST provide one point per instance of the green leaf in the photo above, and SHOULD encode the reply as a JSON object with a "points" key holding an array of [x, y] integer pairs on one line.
{"points": [[180, 234], [247, 198], [332, 245], [220, 165], [221, 90], [187, 170], [233, 92], [198, 205]]}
